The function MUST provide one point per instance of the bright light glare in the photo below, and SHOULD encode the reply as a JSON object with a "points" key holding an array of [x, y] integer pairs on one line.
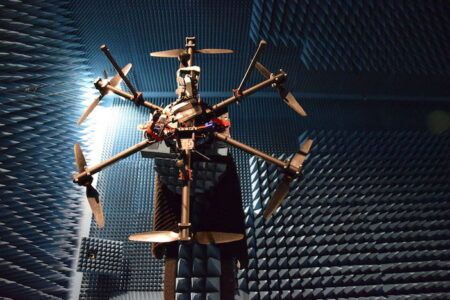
{"points": [[93, 134]]}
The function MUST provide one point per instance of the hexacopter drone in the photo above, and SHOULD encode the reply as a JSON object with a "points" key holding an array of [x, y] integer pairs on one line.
{"points": [[190, 126]]}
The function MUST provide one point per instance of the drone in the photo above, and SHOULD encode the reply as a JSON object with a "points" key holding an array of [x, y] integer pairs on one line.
{"points": [[190, 126]]}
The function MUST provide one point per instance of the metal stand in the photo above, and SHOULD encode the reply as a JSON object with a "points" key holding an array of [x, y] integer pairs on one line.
{"points": [[187, 146]]}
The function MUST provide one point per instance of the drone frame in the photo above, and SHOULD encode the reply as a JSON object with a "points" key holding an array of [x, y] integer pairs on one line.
{"points": [[291, 168]]}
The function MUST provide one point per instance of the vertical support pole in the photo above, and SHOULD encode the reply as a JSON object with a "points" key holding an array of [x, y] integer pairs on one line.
{"points": [[187, 145], [190, 45], [185, 200]]}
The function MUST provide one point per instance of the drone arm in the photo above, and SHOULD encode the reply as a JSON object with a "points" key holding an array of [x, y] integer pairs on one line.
{"points": [[108, 54], [251, 150], [137, 96], [98, 167], [120, 92], [129, 96], [277, 78], [152, 106]]}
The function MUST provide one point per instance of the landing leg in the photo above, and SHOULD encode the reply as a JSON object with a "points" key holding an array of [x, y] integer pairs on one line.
{"points": [[170, 274], [186, 177], [227, 278]]}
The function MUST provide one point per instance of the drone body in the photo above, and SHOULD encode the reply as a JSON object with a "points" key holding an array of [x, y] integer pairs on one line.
{"points": [[186, 133]]}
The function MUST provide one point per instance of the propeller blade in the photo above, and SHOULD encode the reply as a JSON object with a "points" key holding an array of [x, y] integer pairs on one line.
{"points": [[306, 147], [263, 70], [167, 53], [282, 190], [116, 80], [96, 206], [214, 237], [89, 109], [262, 45], [214, 51], [79, 157], [300, 157], [155, 237], [290, 100], [277, 197], [287, 96]]}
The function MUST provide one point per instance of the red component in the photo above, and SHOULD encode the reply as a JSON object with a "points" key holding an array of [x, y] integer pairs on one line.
{"points": [[182, 177], [153, 134], [222, 122], [237, 93]]}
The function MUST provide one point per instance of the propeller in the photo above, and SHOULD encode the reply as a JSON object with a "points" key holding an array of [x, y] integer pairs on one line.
{"points": [[167, 53], [214, 51], [262, 45], [177, 52], [215, 237], [89, 109], [282, 190], [278, 196], [91, 193], [115, 81], [287, 96], [202, 237], [155, 237]]}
